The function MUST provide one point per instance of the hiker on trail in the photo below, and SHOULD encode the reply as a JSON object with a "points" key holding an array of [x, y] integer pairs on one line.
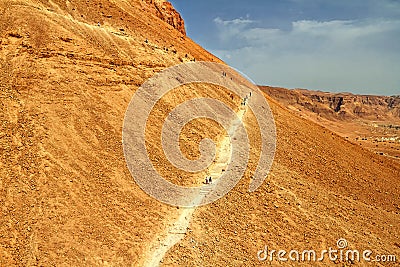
{"points": [[206, 180], [250, 93], [210, 180], [98, 24]]}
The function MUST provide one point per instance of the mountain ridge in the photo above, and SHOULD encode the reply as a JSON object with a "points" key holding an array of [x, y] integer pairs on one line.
{"points": [[345, 105]]}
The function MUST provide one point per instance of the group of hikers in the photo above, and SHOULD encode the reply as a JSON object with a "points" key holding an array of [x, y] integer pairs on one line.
{"points": [[244, 103], [246, 99]]}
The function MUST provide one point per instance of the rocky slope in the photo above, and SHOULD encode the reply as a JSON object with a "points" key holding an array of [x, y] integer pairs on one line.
{"points": [[68, 72]]}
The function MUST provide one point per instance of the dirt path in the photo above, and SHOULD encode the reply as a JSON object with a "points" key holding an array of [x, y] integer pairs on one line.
{"points": [[177, 231]]}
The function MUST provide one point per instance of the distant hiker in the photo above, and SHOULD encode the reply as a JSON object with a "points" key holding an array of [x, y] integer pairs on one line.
{"points": [[147, 41], [250, 93], [245, 101], [98, 24], [206, 180], [210, 180]]}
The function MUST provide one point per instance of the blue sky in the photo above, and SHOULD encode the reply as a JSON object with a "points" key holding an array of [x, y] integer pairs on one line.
{"points": [[338, 46]]}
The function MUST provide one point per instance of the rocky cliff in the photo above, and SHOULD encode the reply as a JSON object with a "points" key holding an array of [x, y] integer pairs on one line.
{"points": [[166, 12], [340, 106]]}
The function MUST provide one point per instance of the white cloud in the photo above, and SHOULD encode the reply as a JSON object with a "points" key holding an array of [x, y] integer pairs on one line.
{"points": [[328, 55], [239, 21], [228, 29], [343, 29]]}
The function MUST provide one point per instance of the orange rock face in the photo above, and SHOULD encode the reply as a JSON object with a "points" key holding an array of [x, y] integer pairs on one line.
{"points": [[165, 11]]}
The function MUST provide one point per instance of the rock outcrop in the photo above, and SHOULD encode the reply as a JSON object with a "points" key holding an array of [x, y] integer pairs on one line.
{"points": [[166, 12]]}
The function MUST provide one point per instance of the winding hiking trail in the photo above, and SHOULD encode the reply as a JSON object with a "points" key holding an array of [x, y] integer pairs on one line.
{"points": [[176, 232]]}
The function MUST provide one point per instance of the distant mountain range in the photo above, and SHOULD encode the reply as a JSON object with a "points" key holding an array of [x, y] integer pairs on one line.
{"points": [[340, 106]]}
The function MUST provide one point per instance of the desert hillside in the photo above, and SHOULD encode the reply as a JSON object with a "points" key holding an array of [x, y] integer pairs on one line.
{"points": [[68, 72]]}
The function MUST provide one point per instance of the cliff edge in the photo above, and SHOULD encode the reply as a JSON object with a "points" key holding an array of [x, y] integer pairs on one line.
{"points": [[166, 12]]}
